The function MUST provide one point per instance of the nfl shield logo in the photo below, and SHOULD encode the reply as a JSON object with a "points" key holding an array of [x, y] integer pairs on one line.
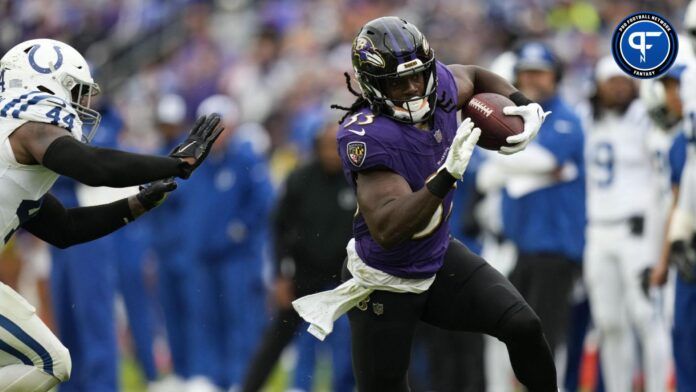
{"points": [[378, 308], [356, 152]]}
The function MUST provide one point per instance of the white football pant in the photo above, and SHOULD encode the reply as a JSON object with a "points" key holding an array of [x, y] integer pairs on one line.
{"points": [[614, 260], [31, 356]]}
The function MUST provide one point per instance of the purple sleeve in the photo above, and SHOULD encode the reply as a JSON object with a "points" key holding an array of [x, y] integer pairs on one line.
{"points": [[360, 153]]}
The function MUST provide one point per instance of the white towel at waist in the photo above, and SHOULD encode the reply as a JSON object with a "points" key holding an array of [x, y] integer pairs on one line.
{"points": [[320, 310]]}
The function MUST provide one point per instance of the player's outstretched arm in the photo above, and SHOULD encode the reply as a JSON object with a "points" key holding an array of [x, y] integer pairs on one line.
{"points": [[50, 146], [63, 227]]}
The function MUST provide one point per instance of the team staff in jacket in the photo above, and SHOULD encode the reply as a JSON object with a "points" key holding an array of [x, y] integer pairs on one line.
{"points": [[235, 196], [544, 198], [312, 223]]}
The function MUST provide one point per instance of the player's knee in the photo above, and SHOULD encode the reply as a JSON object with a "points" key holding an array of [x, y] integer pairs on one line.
{"points": [[610, 324], [62, 364], [522, 325]]}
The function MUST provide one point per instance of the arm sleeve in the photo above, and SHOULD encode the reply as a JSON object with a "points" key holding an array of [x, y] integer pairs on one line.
{"points": [[259, 193], [62, 227], [96, 166], [563, 138], [535, 159]]}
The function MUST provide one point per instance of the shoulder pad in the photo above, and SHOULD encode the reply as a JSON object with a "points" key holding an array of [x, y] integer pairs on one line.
{"points": [[38, 106]]}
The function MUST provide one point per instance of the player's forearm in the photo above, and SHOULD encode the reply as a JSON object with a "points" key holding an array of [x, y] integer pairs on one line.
{"points": [[399, 219], [105, 167], [486, 81], [66, 227]]}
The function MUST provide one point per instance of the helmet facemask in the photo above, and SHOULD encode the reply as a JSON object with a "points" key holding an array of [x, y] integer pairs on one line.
{"points": [[412, 110], [81, 94]]}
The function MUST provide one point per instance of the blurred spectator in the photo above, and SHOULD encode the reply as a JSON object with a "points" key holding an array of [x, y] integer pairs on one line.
{"points": [[544, 199], [180, 296], [311, 228], [234, 196]]}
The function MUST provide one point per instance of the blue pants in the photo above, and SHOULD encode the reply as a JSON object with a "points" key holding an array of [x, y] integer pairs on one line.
{"points": [[181, 296], [235, 316], [138, 299], [684, 335], [83, 285], [309, 347]]}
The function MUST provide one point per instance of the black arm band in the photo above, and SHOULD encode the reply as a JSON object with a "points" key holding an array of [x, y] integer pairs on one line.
{"points": [[519, 99], [96, 166], [441, 184], [66, 227]]}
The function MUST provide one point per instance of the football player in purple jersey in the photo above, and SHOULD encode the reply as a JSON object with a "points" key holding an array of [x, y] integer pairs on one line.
{"points": [[403, 152]]}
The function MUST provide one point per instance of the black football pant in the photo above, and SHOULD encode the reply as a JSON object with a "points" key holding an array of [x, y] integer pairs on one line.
{"points": [[467, 295], [546, 281]]}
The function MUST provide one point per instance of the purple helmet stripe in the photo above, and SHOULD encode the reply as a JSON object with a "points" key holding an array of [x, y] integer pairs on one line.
{"points": [[395, 45], [410, 46]]}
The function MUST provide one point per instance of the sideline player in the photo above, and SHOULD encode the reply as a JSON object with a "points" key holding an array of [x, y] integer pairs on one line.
{"points": [[45, 92], [619, 199], [681, 237], [403, 152]]}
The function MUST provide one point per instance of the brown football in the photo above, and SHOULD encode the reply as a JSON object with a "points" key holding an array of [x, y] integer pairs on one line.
{"points": [[486, 111]]}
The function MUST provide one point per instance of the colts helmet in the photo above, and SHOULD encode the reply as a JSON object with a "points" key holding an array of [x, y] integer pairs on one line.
{"points": [[389, 48], [55, 68]]}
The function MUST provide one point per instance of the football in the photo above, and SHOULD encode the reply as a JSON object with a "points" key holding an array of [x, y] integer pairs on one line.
{"points": [[486, 111]]}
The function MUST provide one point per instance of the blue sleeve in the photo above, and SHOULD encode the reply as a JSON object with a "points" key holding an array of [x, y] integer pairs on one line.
{"points": [[258, 193], [563, 138], [677, 158]]}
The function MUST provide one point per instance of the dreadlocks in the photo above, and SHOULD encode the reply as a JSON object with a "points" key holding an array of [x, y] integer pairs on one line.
{"points": [[359, 102]]}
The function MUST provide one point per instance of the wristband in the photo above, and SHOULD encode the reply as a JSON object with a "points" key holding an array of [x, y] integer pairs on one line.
{"points": [[441, 184], [519, 99]]}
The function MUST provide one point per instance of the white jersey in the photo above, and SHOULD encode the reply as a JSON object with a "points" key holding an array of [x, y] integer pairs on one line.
{"points": [[658, 144], [618, 165], [23, 186]]}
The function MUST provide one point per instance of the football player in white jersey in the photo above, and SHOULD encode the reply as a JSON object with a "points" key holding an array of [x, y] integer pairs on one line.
{"points": [[617, 251], [681, 235], [45, 92]]}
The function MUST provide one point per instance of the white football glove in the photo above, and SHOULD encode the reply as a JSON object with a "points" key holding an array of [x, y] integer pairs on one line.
{"points": [[461, 149], [533, 116]]}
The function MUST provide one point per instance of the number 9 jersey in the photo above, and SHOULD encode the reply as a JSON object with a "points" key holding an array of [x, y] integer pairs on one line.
{"points": [[618, 165], [23, 186]]}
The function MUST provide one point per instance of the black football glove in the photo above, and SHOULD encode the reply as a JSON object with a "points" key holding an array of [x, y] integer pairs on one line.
{"points": [[645, 281], [153, 194], [197, 146], [683, 257]]}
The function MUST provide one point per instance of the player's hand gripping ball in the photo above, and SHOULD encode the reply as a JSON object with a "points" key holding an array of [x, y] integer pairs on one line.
{"points": [[504, 127], [461, 148]]}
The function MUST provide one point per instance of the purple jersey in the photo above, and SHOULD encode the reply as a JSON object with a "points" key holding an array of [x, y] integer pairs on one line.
{"points": [[366, 141]]}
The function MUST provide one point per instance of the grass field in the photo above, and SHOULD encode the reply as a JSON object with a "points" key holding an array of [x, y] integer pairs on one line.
{"points": [[132, 379]]}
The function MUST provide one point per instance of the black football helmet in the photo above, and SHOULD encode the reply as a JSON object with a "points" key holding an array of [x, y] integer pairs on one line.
{"points": [[388, 48]]}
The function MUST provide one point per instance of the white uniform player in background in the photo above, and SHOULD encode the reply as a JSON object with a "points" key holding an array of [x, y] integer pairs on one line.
{"points": [[619, 188], [45, 93]]}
